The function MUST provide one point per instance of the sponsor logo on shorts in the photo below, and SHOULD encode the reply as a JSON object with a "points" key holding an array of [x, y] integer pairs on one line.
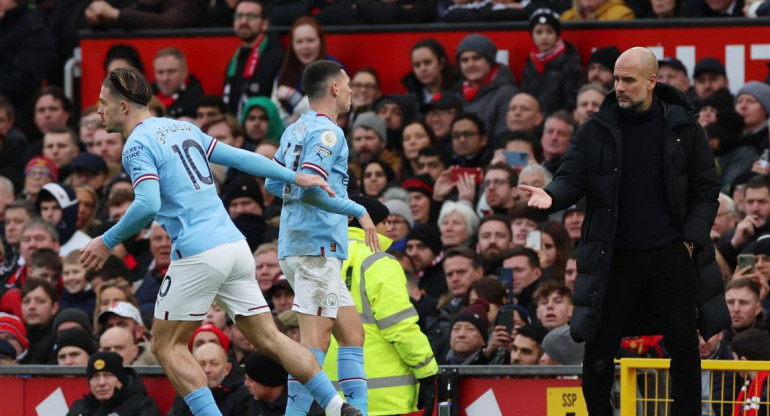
{"points": [[331, 300], [165, 285]]}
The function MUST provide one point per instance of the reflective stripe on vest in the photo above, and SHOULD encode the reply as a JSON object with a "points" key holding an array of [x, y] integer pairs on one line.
{"points": [[385, 382], [424, 363]]}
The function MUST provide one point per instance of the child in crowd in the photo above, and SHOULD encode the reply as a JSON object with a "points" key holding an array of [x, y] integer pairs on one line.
{"points": [[77, 292], [45, 264]]}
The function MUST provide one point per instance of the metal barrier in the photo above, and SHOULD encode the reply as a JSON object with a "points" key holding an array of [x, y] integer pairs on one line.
{"points": [[645, 386]]}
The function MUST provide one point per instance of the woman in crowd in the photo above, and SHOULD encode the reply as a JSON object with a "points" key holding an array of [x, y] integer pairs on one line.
{"points": [[556, 248], [109, 292], [458, 224], [416, 136], [431, 71], [87, 208], [365, 87], [376, 177], [307, 45]]}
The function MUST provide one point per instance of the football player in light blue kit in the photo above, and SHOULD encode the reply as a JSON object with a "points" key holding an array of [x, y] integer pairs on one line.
{"points": [[313, 237], [168, 162]]}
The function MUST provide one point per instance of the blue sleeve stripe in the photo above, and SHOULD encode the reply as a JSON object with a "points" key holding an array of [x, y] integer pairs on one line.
{"points": [[210, 150], [279, 162], [146, 176], [318, 169]]}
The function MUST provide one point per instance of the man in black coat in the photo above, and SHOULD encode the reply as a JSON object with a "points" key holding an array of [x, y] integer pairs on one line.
{"points": [[646, 170], [257, 61], [26, 47]]}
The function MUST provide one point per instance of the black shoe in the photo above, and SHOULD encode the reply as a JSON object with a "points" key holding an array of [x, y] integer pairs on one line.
{"points": [[348, 410]]}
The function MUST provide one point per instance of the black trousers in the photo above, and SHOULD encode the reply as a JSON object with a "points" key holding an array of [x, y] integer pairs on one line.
{"points": [[664, 278]]}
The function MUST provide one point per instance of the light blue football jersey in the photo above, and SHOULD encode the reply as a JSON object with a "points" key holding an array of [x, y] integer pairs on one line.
{"points": [[176, 153], [315, 144]]}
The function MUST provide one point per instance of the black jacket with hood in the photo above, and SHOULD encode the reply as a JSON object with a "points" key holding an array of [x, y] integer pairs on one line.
{"points": [[556, 88], [592, 168], [67, 199]]}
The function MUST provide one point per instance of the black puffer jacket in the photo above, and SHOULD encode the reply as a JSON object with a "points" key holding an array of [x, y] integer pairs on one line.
{"points": [[591, 167], [557, 86], [231, 396], [131, 400]]}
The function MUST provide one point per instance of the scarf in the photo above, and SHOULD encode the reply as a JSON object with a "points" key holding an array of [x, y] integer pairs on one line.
{"points": [[435, 261], [541, 59], [748, 401], [470, 91], [251, 63]]}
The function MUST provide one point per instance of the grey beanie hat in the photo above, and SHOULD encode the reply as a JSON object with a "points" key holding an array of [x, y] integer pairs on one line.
{"points": [[479, 44], [758, 90], [372, 121], [561, 347], [400, 208]]}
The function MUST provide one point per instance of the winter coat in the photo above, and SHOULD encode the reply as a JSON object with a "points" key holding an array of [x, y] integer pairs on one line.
{"points": [[26, 47], [699, 8], [238, 89], [166, 14], [187, 99], [611, 10], [591, 168], [130, 400], [556, 88], [84, 300], [491, 102], [436, 324], [231, 396]]}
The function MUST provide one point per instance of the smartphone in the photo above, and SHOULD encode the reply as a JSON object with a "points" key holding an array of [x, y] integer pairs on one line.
{"points": [[745, 260], [516, 159], [533, 240], [505, 317], [505, 276], [477, 173]]}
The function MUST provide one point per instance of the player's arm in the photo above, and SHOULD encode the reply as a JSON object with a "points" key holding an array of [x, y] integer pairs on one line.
{"points": [[258, 165], [146, 204]]}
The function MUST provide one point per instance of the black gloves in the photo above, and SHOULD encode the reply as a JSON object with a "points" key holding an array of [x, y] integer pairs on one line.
{"points": [[427, 395]]}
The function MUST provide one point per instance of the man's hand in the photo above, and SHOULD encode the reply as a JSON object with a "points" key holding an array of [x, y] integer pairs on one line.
{"points": [[306, 180], [372, 239], [94, 254], [744, 230], [500, 339], [539, 199], [466, 188], [443, 185], [426, 396], [101, 11]]}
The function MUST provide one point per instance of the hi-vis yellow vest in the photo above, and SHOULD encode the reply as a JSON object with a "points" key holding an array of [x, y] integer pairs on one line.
{"points": [[396, 352]]}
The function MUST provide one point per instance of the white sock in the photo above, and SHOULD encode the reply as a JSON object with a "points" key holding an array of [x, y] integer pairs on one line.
{"points": [[334, 407]]}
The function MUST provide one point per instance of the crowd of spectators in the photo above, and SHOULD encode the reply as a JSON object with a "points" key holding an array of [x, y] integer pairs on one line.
{"points": [[490, 277]]}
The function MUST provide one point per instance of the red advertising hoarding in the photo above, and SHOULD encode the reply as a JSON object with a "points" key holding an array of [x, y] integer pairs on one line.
{"points": [[745, 49]]}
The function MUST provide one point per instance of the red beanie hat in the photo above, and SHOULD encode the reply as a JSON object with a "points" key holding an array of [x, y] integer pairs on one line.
{"points": [[46, 163], [13, 325], [223, 338]]}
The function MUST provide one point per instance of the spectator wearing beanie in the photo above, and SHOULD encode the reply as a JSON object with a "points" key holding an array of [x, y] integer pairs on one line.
{"points": [[398, 224], [423, 246], [752, 102], [587, 10], [38, 172], [74, 347], [208, 333], [12, 330], [369, 139], [266, 382], [420, 192], [469, 335], [487, 86], [560, 349], [71, 318], [601, 66], [553, 73], [114, 390]]}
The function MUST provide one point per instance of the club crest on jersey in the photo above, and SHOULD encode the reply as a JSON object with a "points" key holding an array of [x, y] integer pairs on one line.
{"points": [[322, 151], [331, 300], [333, 247], [328, 138]]}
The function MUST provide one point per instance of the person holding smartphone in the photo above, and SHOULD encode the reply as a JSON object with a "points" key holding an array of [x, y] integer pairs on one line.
{"points": [[646, 170]]}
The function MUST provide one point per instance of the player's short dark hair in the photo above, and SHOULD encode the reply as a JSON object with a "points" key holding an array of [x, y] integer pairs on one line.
{"points": [[473, 118], [316, 76], [129, 83], [531, 255], [464, 251], [33, 284]]}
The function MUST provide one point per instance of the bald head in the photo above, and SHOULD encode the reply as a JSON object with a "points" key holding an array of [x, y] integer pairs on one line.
{"points": [[121, 341], [636, 73], [213, 359]]}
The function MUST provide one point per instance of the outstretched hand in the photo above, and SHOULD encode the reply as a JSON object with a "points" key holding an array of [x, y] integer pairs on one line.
{"points": [[307, 180], [372, 239], [95, 253], [539, 199]]}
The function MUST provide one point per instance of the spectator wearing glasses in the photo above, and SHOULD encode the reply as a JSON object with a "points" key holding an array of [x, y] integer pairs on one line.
{"points": [[365, 85]]}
